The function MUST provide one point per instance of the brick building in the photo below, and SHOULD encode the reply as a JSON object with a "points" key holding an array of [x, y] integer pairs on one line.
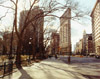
{"points": [[88, 44], [85, 45], [7, 43]]}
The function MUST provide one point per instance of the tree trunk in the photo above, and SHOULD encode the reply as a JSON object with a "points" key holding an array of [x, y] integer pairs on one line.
{"points": [[18, 55]]}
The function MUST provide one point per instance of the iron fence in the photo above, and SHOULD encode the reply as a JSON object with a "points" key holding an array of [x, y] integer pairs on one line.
{"points": [[6, 68]]}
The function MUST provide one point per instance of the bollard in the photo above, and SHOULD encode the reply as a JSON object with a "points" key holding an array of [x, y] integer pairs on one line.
{"points": [[4, 69], [69, 60], [11, 66]]}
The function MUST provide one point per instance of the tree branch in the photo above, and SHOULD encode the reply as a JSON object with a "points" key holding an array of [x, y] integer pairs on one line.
{"points": [[29, 11], [13, 2], [4, 15], [7, 7]]}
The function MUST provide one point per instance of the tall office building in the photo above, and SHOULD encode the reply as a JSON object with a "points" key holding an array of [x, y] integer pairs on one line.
{"points": [[65, 32], [96, 27], [33, 34]]}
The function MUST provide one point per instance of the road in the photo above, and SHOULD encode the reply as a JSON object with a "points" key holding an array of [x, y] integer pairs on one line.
{"points": [[80, 59], [89, 67], [51, 68]]}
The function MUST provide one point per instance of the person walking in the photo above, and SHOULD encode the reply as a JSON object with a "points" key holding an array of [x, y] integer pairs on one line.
{"points": [[56, 56]]}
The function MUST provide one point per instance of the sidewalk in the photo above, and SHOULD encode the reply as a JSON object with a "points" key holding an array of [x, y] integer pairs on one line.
{"points": [[50, 69]]}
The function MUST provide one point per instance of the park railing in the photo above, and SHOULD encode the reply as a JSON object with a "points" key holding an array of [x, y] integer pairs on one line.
{"points": [[6, 68]]}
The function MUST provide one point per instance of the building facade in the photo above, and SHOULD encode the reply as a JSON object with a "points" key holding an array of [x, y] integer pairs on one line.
{"points": [[33, 34], [79, 47], [84, 42], [65, 32], [88, 45], [1, 46], [6, 42], [76, 50], [55, 43], [96, 27], [85, 45]]}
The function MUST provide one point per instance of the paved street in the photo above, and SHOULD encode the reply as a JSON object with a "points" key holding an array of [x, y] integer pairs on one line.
{"points": [[33, 30], [80, 59], [89, 67], [57, 69]]}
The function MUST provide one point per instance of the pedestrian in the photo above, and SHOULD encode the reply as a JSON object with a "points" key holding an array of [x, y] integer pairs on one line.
{"points": [[50, 56], [56, 56]]}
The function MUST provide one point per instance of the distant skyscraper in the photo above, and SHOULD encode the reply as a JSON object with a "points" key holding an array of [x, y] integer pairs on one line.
{"points": [[96, 27], [84, 42], [87, 44], [65, 32]]}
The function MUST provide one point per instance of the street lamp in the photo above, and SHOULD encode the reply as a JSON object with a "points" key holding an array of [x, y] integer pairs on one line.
{"points": [[69, 58], [29, 43], [30, 48]]}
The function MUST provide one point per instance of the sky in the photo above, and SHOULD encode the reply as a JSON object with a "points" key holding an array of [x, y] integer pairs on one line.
{"points": [[77, 28]]}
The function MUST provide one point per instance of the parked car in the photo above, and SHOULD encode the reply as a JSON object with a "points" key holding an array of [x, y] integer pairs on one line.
{"points": [[97, 56], [91, 54]]}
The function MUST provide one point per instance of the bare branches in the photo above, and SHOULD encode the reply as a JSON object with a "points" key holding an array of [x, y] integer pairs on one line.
{"points": [[2, 5], [15, 20], [30, 10], [4, 31], [13, 2], [4, 15], [48, 9], [7, 7]]}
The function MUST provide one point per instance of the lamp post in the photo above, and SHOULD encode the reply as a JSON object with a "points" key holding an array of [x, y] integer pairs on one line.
{"points": [[69, 55], [30, 48]]}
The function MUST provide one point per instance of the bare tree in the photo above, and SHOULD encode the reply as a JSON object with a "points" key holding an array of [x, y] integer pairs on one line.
{"points": [[49, 8], [5, 36]]}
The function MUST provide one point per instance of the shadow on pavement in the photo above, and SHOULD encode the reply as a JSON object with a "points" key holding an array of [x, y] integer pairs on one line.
{"points": [[72, 74], [91, 77], [24, 74]]}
